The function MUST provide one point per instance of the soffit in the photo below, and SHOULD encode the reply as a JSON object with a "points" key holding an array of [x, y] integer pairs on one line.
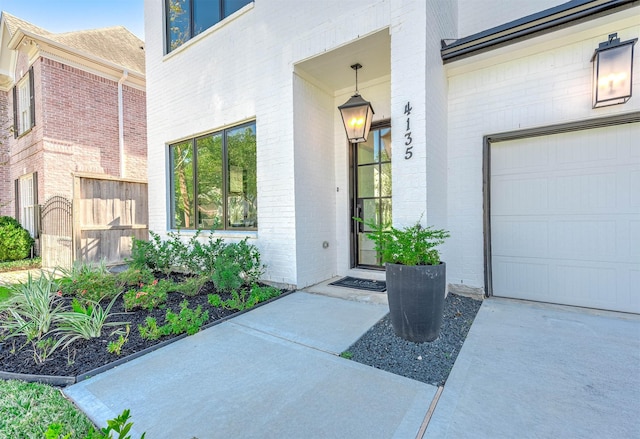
{"points": [[332, 72]]}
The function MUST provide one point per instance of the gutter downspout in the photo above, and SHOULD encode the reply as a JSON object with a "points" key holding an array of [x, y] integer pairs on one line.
{"points": [[125, 74]]}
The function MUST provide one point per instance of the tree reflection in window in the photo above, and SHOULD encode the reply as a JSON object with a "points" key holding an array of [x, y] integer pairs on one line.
{"points": [[217, 201], [188, 18]]}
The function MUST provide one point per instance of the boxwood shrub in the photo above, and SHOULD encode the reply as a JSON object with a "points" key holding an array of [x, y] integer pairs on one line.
{"points": [[15, 241]]}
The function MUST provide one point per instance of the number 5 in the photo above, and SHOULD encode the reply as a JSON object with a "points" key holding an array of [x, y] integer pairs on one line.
{"points": [[408, 154]]}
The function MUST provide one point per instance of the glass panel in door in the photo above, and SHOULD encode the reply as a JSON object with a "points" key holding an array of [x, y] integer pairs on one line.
{"points": [[372, 192]]}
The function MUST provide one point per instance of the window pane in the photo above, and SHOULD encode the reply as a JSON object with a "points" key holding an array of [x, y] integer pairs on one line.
{"points": [[385, 144], [206, 13], [242, 208], [210, 199], [178, 17], [24, 105], [27, 197], [231, 6], [385, 180], [182, 180], [368, 181], [365, 151]]}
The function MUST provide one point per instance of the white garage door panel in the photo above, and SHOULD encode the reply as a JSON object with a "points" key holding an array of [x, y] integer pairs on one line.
{"points": [[565, 218]]}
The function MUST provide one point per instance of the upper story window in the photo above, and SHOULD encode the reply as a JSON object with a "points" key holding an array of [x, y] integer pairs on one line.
{"points": [[188, 18], [213, 180], [23, 104]]}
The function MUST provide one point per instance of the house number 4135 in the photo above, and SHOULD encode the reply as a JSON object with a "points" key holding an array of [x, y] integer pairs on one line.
{"points": [[407, 134]]}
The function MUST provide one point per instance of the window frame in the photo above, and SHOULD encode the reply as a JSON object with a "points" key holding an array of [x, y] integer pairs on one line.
{"points": [[193, 141], [191, 19], [24, 118], [27, 202]]}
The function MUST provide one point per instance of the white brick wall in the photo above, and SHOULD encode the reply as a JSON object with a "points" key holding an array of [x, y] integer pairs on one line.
{"points": [[540, 82], [245, 68]]}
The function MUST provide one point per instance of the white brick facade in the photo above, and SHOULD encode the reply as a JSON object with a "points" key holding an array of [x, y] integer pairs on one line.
{"points": [[287, 66]]}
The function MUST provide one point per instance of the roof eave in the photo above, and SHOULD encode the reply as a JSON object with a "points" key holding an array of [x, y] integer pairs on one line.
{"points": [[21, 35], [530, 26]]}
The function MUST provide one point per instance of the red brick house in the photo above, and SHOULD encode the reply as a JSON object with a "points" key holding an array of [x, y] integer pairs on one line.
{"points": [[69, 103]]}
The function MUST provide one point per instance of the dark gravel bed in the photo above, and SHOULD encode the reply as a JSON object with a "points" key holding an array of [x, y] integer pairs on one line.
{"points": [[429, 362]]}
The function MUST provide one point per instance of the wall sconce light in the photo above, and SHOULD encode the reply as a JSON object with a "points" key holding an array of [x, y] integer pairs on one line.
{"points": [[612, 72], [356, 114]]}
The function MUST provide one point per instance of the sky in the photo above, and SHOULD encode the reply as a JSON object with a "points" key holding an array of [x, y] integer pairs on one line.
{"points": [[71, 15]]}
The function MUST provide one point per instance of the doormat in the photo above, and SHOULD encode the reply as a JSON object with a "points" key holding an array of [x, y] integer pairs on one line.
{"points": [[361, 284]]}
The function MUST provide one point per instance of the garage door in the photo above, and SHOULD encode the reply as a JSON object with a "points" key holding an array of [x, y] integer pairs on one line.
{"points": [[565, 218]]}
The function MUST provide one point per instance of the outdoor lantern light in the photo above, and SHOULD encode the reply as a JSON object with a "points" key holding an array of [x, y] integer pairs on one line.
{"points": [[356, 114], [612, 72]]}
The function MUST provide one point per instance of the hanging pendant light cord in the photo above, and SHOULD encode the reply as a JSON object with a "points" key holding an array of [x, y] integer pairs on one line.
{"points": [[355, 67]]}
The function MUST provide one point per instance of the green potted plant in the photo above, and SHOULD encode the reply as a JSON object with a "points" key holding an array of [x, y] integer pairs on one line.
{"points": [[416, 278]]}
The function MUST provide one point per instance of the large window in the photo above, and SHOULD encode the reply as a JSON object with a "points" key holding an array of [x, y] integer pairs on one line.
{"points": [[23, 107], [213, 180], [188, 18]]}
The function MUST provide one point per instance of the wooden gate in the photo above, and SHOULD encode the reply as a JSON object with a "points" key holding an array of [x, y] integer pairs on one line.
{"points": [[56, 234], [107, 213]]}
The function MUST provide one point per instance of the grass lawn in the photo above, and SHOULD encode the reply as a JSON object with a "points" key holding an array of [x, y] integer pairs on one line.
{"points": [[4, 293], [27, 409], [24, 264]]}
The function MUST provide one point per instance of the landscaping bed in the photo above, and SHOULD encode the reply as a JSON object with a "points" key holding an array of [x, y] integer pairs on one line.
{"points": [[62, 328], [84, 356]]}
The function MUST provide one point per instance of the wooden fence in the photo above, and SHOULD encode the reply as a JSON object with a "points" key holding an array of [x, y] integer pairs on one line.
{"points": [[107, 212]]}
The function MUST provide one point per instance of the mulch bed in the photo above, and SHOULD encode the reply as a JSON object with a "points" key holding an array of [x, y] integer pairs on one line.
{"points": [[83, 356]]}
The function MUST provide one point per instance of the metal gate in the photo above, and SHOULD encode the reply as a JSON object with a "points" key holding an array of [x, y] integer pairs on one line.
{"points": [[56, 232]]}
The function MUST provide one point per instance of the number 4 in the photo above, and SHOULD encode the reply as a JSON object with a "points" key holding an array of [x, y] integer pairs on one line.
{"points": [[407, 108]]}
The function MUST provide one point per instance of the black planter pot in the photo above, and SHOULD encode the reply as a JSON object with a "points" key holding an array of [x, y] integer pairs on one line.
{"points": [[416, 300]]}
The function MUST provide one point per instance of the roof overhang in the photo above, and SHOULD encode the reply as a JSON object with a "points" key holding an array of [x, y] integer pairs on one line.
{"points": [[23, 40], [566, 14]]}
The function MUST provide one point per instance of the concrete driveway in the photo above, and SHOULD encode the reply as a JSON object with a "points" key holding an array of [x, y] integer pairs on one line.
{"points": [[530, 370]]}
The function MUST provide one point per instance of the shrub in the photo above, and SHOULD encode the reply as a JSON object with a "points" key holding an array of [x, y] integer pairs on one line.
{"points": [[173, 254], [154, 254], [91, 282], [15, 241], [203, 255], [148, 296], [237, 265], [135, 276]]}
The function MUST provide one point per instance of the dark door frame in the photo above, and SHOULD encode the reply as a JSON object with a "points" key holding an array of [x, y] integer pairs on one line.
{"points": [[353, 182]]}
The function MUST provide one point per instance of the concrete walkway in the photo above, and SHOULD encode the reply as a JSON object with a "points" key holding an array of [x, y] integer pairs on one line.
{"points": [[21, 276], [526, 370], [270, 373], [530, 370]]}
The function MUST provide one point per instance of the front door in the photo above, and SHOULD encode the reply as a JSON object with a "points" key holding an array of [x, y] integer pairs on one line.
{"points": [[371, 192]]}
